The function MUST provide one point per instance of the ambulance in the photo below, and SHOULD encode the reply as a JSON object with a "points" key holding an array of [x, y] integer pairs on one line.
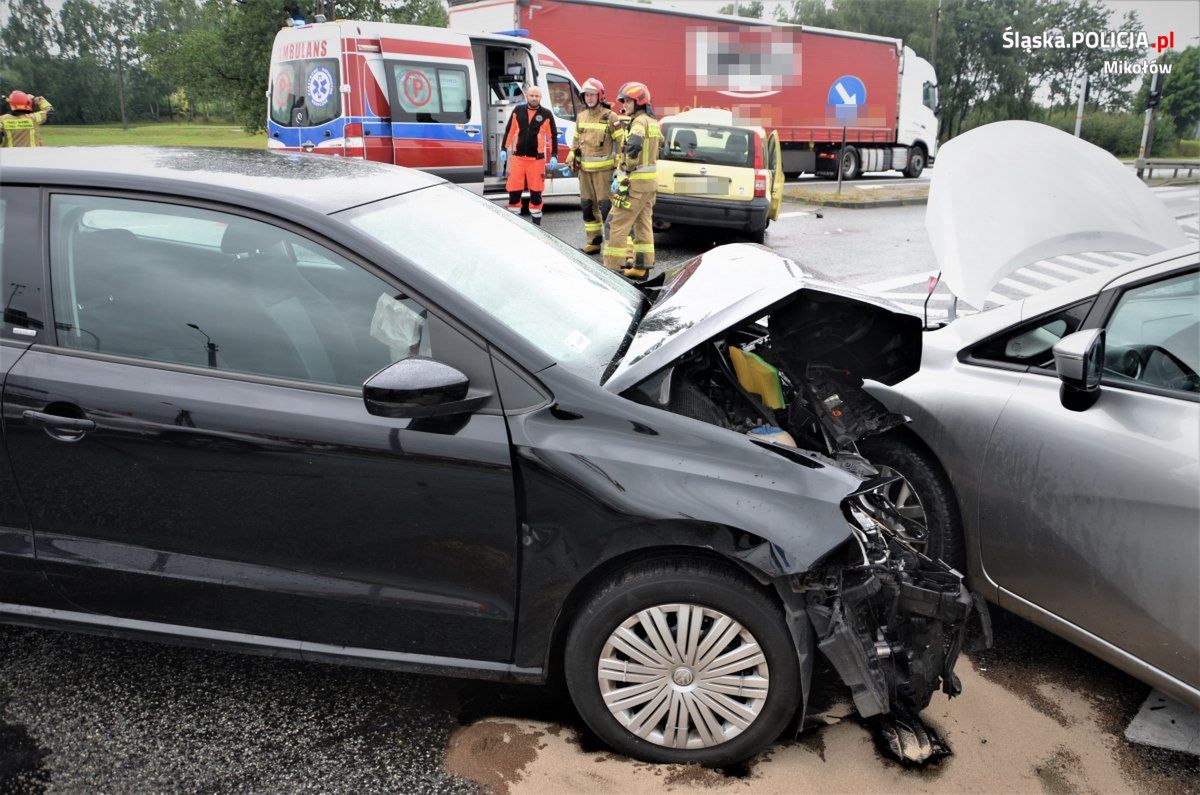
{"points": [[414, 96]]}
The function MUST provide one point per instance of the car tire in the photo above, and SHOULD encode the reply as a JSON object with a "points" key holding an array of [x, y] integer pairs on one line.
{"points": [[924, 476], [851, 164], [916, 162], [675, 591], [758, 236]]}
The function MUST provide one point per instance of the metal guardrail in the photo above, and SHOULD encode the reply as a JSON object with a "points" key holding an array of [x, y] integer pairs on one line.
{"points": [[1146, 168]]}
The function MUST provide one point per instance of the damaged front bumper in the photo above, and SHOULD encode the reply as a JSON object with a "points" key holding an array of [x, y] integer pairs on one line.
{"points": [[891, 621]]}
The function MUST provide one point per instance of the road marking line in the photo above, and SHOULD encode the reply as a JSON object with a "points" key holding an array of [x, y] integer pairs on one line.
{"points": [[1061, 270], [1013, 284], [1106, 258], [1044, 277], [795, 214], [1086, 267]]}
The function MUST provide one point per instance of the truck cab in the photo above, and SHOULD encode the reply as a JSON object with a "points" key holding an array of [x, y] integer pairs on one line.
{"points": [[917, 122], [413, 96]]}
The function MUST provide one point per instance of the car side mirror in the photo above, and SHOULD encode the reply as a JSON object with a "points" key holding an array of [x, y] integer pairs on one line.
{"points": [[1079, 360], [421, 387]]}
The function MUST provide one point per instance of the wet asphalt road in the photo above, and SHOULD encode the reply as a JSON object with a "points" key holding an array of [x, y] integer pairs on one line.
{"points": [[80, 712], [89, 713]]}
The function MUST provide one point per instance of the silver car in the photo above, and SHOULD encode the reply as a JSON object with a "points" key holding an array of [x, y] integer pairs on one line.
{"points": [[1054, 447]]}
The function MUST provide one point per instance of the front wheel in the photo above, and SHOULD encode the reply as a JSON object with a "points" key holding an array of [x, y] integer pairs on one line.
{"points": [[683, 661], [916, 162], [923, 493]]}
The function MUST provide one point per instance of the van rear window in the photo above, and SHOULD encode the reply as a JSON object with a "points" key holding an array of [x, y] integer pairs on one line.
{"points": [[429, 93], [708, 143], [306, 93]]}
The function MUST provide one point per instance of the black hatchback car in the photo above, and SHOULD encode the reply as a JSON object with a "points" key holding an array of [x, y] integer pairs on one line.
{"points": [[348, 412]]}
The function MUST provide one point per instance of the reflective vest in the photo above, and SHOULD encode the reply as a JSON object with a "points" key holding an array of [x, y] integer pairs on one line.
{"points": [[594, 139], [531, 132], [643, 164], [21, 129]]}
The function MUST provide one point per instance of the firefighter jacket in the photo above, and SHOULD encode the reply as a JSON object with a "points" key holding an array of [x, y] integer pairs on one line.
{"points": [[531, 132], [593, 142], [639, 150], [21, 128]]}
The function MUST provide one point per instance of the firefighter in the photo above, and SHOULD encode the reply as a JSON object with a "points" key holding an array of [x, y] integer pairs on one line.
{"points": [[633, 187], [19, 127], [529, 139], [592, 157]]}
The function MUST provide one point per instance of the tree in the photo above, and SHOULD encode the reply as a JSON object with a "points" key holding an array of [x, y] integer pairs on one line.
{"points": [[746, 8], [1181, 89]]}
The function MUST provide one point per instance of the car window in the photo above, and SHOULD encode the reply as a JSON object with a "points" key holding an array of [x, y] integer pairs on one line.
{"points": [[1153, 335], [562, 97], [305, 93], [189, 286], [929, 96], [1032, 343], [712, 144], [560, 301], [429, 93]]}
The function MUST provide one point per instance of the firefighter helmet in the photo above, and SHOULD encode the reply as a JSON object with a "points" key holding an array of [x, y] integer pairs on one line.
{"points": [[592, 84], [19, 100], [636, 92]]}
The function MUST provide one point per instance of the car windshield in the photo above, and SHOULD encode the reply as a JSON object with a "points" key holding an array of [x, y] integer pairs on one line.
{"points": [[709, 143], [562, 302]]}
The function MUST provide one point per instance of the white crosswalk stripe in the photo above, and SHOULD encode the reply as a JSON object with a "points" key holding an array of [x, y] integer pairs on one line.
{"points": [[911, 291]]}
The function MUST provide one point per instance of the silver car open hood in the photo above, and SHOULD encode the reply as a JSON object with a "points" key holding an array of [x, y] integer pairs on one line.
{"points": [[739, 283], [1008, 194]]}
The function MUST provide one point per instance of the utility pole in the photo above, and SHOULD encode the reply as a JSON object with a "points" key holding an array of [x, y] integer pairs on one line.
{"points": [[937, 11], [1152, 98], [1083, 85]]}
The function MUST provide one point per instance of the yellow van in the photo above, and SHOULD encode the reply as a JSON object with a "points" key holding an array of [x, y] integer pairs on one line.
{"points": [[712, 172]]}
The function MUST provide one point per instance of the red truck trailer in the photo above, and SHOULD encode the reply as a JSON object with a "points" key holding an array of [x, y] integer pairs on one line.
{"points": [[811, 85]]}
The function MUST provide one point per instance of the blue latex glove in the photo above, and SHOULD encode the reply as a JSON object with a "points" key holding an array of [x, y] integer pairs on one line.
{"points": [[613, 189], [553, 163], [503, 157]]}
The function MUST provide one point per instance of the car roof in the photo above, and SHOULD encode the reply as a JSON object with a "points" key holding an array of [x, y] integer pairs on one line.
{"points": [[255, 177], [711, 116]]}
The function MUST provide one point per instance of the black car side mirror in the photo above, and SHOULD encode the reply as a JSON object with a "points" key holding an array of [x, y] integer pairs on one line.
{"points": [[421, 387], [1079, 360]]}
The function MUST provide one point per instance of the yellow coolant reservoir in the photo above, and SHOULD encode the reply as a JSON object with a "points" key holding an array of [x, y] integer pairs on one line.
{"points": [[757, 377]]}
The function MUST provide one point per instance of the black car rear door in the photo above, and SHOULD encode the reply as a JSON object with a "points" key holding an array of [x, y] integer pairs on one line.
{"points": [[194, 450]]}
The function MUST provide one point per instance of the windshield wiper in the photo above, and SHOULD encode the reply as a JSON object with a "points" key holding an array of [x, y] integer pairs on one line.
{"points": [[623, 348]]}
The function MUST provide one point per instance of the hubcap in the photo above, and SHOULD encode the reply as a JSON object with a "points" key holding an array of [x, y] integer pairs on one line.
{"points": [[683, 676], [908, 505]]}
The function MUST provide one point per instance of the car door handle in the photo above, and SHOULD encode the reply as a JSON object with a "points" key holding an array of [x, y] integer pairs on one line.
{"points": [[61, 423]]}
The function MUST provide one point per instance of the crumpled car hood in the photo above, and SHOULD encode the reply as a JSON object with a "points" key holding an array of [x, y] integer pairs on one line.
{"points": [[734, 284], [1008, 194]]}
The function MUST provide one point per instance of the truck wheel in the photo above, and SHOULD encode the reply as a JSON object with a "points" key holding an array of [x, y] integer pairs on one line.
{"points": [[916, 162], [683, 661], [924, 494], [851, 163]]}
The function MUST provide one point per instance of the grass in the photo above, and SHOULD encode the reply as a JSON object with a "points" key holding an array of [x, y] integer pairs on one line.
{"points": [[154, 134], [852, 194]]}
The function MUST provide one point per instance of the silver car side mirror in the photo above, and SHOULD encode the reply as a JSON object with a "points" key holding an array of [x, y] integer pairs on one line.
{"points": [[1079, 360]]}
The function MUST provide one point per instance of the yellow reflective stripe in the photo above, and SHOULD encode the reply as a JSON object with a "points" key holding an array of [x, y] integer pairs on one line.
{"points": [[609, 251], [643, 248], [643, 175], [592, 226], [591, 125], [597, 165]]}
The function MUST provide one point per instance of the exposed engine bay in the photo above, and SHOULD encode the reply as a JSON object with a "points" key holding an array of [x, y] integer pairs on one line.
{"points": [[890, 620]]}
